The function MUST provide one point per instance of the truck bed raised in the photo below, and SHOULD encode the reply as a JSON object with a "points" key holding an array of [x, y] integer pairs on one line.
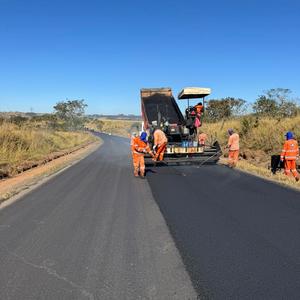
{"points": [[160, 103]]}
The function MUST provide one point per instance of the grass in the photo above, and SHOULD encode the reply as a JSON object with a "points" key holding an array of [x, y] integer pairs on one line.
{"points": [[115, 127], [22, 144], [259, 139]]}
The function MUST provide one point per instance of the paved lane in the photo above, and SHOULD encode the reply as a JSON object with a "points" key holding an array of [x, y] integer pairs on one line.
{"points": [[92, 232], [238, 235]]}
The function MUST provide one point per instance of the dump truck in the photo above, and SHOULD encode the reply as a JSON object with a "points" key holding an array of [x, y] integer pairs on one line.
{"points": [[160, 110]]}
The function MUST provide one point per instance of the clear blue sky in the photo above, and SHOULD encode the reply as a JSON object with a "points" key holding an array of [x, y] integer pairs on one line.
{"points": [[105, 51]]}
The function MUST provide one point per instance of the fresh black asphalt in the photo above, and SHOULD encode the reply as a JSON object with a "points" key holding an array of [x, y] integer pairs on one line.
{"points": [[92, 232], [238, 235], [95, 232]]}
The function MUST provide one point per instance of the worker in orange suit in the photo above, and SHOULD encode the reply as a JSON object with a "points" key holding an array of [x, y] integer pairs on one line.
{"points": [[133, 136], [139, 147], [160, 144], [199, 109], [234, 148], [198, 121], [289, 154], [202, 139]]}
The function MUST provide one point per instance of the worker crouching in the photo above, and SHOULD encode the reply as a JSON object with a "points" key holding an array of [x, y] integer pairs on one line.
{"points": [[289, 155], [139, 147], [234, 148], [160, 144], [202, 139]]}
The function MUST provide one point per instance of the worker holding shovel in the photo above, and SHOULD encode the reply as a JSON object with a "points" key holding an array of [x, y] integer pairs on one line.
{"points": [[140, 147], [160, 144]]}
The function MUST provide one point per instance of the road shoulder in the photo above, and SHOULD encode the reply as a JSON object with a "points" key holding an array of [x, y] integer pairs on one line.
{"points": [[13, 188]]}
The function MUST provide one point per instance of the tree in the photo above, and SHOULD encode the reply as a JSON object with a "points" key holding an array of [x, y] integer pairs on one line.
{"points": [[71, 112], [265, 106], [220, 109], [275, 103]]}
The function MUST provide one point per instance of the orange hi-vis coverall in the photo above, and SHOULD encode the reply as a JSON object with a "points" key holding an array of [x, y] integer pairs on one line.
{"points": [[139, 149], [234, 149], [199, 109], [289, 154], [160, 143], [202, 139]]}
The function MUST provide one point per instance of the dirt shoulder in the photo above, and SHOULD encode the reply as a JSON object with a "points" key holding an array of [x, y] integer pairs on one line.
{"points": [[24, 182]]}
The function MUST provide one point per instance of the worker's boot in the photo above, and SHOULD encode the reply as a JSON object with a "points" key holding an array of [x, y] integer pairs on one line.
{"points": [[297, 179]]}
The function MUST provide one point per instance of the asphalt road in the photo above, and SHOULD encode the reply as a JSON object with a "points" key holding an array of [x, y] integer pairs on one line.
{"points": [[95, 232], [238, 235], [91, 232]]}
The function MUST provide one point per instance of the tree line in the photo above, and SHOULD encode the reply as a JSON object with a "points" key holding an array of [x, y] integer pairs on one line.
{"points": [[67, 115], [275, 103]]}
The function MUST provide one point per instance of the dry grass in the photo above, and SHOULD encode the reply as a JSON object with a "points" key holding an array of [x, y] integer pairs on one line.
{"points": [[259, 139], [115, 127], [19, 145]]}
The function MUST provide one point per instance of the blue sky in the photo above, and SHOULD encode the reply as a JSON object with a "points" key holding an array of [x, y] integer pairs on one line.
{"points": [[105, 51]]}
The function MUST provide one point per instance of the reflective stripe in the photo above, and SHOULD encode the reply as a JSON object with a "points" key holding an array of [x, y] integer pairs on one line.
{"points": [[290, 157], [138, 152]]}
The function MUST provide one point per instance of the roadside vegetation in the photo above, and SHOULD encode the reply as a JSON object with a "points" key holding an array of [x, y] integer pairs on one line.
{"points": [[260, 137], [30, 141], [114, 126], [261, 127]]}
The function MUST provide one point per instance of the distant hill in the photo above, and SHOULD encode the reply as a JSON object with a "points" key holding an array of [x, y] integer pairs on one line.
{"points": [[116, 117], [7, 115]]}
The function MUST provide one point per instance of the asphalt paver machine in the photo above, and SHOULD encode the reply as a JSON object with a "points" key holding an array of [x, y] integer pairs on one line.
{"points": [[160, 110]]}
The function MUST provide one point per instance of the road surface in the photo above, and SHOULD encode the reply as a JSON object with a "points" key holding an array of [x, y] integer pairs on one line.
{"points": [[238, 235], [95, 232], [91, 232]]}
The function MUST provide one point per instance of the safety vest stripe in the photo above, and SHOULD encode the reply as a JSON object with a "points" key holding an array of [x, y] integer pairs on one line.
{"points": [[136, 152]]}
